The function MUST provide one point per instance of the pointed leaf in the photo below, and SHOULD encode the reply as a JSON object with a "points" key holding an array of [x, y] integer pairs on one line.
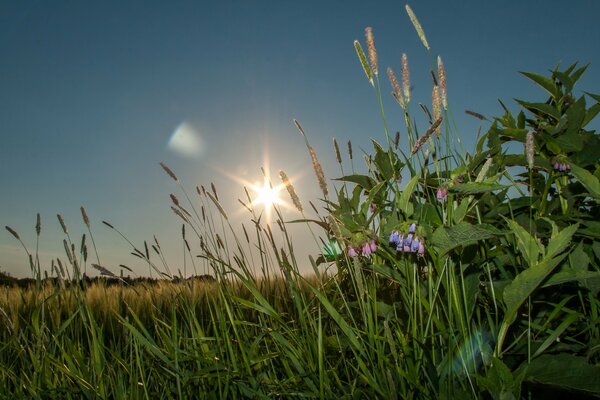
{"points": [[366, 182], [541, 107], [448, 238], [565, 371], [589, 181], [546, 83], [561, 241], [476, 187], [528, 245], [404, 202]]}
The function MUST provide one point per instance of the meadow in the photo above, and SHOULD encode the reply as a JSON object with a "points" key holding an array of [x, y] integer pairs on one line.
{"points": [[444, 274]]}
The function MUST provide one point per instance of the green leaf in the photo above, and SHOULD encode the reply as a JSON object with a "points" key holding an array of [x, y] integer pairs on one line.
{"points": [[346, 328], [364, 181], [545, 83], [528, 245], [476, 187], [566, 371], [590, 114], [560, 242], [589, 181], [540, 107], [567, 142], [404, 202], [575, 115], [447, 238], [385, 162], [566, 322], [521, 288]]}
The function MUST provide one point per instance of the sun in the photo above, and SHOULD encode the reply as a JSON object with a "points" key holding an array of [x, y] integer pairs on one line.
{"points": [[266, 195]]}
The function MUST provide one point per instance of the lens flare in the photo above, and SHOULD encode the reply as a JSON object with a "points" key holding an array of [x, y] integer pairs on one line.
{"points": [[186, 141]]}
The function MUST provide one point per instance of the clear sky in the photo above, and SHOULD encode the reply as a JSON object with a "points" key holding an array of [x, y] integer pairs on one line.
{"points": [[91, 92]]}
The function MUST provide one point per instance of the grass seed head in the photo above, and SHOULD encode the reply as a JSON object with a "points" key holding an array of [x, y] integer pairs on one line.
{"points": [[417, 25], [85, 217], [442, 77], [371, 49], [396, 91], [318, 171], [529, 148], [405, 78], [13, 232], [169, 171], [62, 223], [290, 188]]}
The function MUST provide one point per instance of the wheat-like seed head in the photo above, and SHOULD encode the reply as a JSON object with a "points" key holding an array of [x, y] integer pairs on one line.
{"points": [[371, 50], [169, 171], [436, 106], [62, 223], [423, 139], [350, 149], [405, 78], [338, 156], [290, 188], [13, 232], [216, 202], [443, 88], [318, 171], [530, 148], [396, 91], [417, 25], [85, 217], [363, 62], [38, 225]]}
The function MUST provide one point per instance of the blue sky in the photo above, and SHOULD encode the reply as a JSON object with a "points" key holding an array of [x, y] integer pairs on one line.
{"points": [[91, 93]]}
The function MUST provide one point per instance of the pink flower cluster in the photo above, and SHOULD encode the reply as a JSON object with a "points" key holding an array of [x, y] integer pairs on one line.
{"points": [[366, 249], [409, 243], [561, 166]]}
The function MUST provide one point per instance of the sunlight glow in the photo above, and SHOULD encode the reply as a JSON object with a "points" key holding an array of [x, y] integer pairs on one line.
{"points": [[267, 196]]}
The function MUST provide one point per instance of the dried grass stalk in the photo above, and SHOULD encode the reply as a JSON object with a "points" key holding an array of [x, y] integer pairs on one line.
{"points": [[216, 202], [103, 270], [13, 232], [338, 156], [475, 114]]}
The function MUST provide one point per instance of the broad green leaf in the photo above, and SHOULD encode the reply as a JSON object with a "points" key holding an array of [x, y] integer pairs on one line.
{"points": [[366, 182], [589, 181], [522, 287], [560, 242], [528, 245], [575, 115], [565, 371], [447, 238], [404, 202], [541, 107], [568, 142], [385, 162], [461, 211], [579, 259], [567, 275], [476, 187], [546, 83]]}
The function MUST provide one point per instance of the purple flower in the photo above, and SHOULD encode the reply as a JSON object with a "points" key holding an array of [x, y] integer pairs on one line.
{"points": [[352, 252], [560, 166], [366, 249], [373, 246], [412, 228], [373, 207], [395, 238], [409, 239], [415, 245], [406, 249], [421, 249], [441, 193]]}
